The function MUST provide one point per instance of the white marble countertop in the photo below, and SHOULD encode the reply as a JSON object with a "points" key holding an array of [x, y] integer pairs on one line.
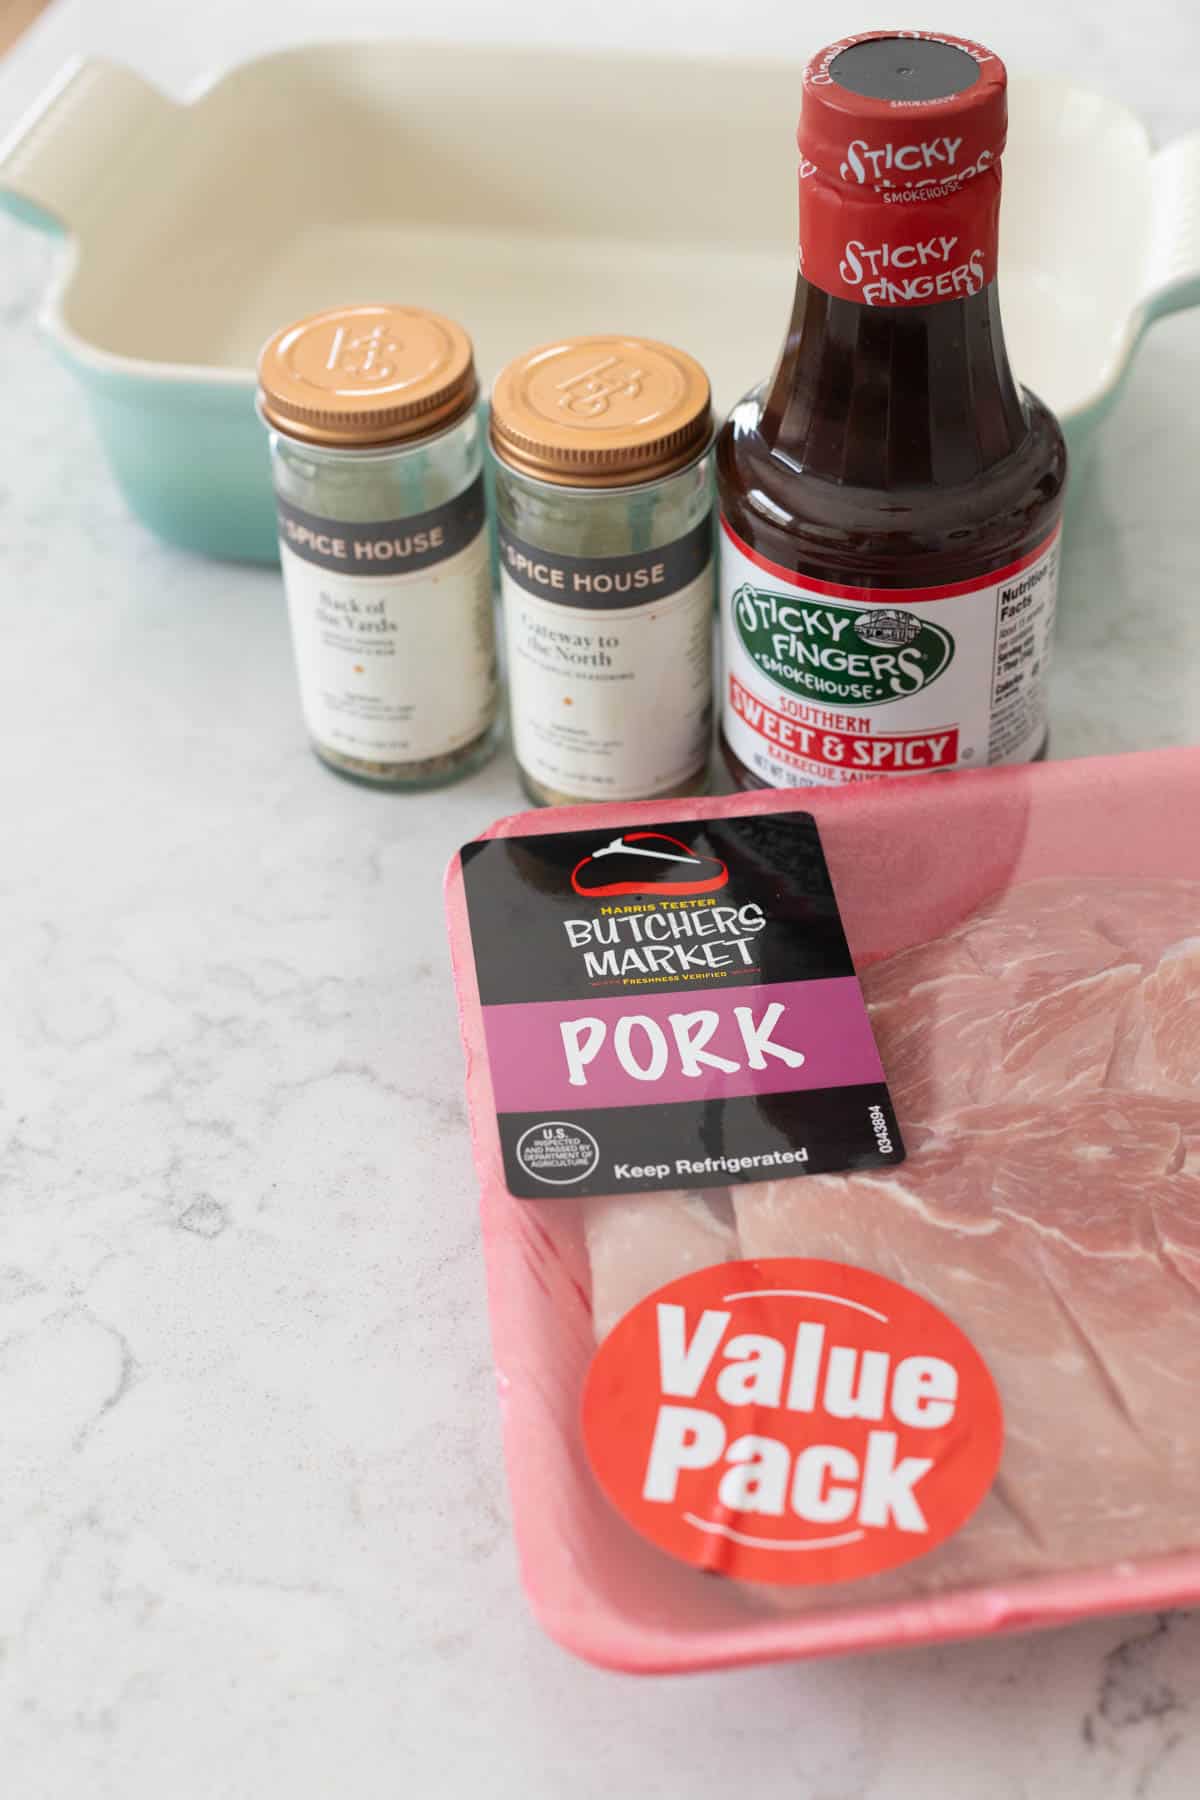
{"points": [[253, 1521]]}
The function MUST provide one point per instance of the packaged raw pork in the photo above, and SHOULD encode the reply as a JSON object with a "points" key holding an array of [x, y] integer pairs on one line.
{"points": [[840, 1167]]}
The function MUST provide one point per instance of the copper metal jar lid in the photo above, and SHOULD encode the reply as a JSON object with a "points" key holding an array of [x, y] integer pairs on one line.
{"points": [[366, 375], [601, 411]]}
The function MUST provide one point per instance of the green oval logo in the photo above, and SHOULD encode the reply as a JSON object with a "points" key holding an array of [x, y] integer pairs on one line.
{"points": [[822, 651]]}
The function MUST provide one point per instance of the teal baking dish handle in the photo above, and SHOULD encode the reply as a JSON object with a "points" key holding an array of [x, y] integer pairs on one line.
{"points": [[190, 457], [1172, 279], [76, 144]]}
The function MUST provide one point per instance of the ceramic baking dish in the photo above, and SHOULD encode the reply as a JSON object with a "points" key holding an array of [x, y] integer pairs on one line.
{"points": [[638, 194]]}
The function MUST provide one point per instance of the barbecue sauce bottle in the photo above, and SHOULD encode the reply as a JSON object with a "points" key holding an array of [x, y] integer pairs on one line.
{"points": [[891, 498]]}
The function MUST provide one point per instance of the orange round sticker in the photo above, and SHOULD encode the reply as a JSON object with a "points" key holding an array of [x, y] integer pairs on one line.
{"points": [[791, 1421]]}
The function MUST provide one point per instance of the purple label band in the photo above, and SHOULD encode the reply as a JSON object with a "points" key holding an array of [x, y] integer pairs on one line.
{"points": [[646, 1049]]}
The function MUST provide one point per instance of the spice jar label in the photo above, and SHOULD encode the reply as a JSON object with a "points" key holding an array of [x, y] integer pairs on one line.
{"points": [[609, 663], [392, 629], [385, 547], [827, 684]]}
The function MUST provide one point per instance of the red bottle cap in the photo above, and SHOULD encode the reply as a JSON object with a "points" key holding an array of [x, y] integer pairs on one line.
{"points": [[881, 109], [900, 140]]}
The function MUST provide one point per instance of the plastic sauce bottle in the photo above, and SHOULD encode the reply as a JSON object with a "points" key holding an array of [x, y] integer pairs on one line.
{"points": [[890, 499]]}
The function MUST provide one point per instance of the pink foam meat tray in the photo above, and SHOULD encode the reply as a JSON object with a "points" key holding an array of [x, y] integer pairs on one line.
{"points": [[909, 859]]}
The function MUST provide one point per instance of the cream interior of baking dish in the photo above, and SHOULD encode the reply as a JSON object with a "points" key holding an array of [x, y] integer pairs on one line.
{"points": [[534, 194]]}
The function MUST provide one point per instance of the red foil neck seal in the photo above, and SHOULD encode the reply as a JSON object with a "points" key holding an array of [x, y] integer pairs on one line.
{"points": [[900, 197]]}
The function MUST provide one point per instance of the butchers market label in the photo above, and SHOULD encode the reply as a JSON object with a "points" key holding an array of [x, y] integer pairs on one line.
{"points": [[672, 1005], [791, 1421], [825, 684]]}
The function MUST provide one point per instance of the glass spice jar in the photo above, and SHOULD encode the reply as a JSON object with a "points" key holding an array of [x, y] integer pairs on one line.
{"points": [[376, 455], [603, 505]]}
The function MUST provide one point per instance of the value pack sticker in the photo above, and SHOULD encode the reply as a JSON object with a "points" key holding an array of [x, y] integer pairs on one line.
{"points": [[791, 1421], [672, 1007]]}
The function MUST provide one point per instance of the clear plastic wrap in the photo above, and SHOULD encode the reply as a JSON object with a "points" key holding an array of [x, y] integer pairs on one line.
{"points": [[1029, 945]]}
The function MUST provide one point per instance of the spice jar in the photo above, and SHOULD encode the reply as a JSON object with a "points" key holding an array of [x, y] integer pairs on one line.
{"points": [[377, 460], [604, 501]]}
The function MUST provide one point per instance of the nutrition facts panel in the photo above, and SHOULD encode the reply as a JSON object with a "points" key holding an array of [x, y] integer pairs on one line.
{"points": [[1024, 634]]}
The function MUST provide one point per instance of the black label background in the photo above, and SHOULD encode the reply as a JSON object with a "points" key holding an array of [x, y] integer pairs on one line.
{"points": [[832, 1124], [682, 563], [518, 895], [461, 520]]}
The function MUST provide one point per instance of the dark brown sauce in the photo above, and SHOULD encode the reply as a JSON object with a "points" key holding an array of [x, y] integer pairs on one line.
{"points": [[892, 448]]}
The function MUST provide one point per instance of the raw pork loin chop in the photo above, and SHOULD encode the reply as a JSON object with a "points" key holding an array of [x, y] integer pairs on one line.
{"points": [[638, 1242], [1044, 1059]]}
